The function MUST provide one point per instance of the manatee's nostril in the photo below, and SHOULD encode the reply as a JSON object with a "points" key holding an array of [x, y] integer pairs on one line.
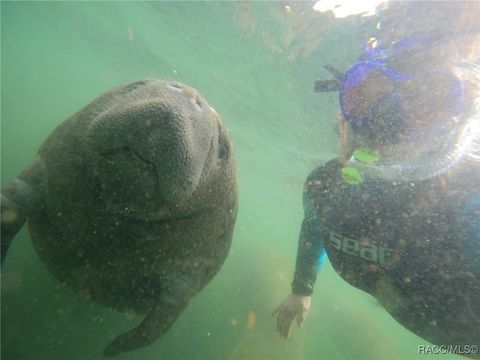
{"points": [[175, 87], [197, 103]]}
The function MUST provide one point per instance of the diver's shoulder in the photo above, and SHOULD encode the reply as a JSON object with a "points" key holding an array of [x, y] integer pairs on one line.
{"points": [[323, 175], [329, 169]]}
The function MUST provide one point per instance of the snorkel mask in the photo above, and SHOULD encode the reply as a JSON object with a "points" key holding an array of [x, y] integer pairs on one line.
{"points": [[386, 105]]}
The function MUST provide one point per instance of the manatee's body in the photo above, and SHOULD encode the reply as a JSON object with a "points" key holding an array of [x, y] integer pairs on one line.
{"points": [[132, 202]]}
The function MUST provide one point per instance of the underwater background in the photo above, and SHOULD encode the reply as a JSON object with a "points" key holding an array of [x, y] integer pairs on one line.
{"points": [[255, 63]]}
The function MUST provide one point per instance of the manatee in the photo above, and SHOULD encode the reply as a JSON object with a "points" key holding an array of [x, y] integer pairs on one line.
{"points": [[131, 202]]}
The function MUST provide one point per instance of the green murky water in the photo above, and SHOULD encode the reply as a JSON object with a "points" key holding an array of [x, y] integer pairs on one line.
{"points": [[255, 63]]}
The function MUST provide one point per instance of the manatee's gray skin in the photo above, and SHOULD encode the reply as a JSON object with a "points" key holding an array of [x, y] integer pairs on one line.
{"points": [[132, 202]]}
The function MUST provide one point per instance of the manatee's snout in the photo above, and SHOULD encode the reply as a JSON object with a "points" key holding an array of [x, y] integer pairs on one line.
{"points": [[152, 143]]}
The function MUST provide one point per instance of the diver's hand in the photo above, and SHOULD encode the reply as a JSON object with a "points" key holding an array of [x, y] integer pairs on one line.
{"points": [[293, 306]]}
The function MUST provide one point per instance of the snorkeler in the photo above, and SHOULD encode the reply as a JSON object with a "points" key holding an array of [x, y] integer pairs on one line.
{"points": [[399, 212]]}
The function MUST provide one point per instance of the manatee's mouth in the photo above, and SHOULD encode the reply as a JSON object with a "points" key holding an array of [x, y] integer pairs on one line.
{"points": [[137, 160], [128, 186]]}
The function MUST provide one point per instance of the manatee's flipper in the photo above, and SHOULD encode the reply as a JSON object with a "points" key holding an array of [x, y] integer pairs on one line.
{"points": [[174, 299], [12, 220], [157, 322], [21, 197]]}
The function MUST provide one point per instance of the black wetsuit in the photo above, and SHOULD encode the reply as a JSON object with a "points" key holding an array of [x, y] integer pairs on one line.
{"points": [[415, 246]]}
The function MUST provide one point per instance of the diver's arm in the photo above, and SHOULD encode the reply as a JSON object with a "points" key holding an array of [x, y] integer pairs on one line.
{"points": [[310, 256], [311, 253], [311, 248]]}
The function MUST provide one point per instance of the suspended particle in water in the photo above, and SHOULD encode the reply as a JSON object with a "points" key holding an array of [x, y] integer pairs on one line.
{"points": [[131, 35], [251, 320]]}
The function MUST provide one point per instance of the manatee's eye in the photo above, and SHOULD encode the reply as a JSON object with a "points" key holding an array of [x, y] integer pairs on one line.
{"points": [[223, 145]]}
